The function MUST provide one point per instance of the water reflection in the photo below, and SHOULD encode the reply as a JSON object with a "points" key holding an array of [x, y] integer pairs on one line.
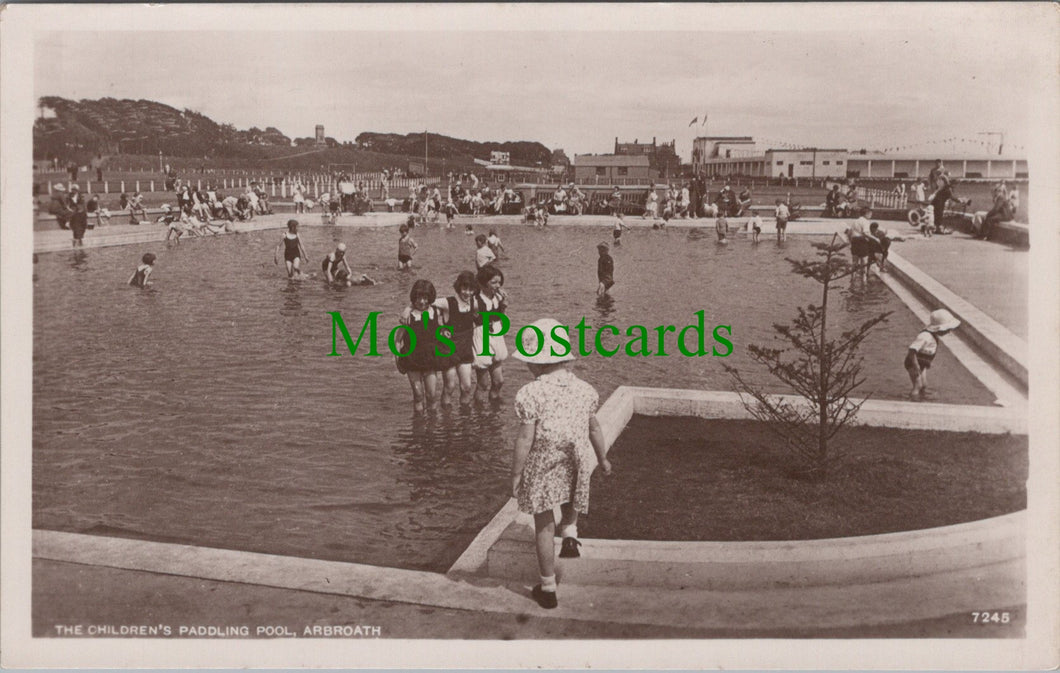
{"points": [[605, 308], [78, 260], [292, 299]]}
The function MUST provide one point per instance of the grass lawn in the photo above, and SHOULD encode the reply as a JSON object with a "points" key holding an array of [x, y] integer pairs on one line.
{"points": [[698, 479]]}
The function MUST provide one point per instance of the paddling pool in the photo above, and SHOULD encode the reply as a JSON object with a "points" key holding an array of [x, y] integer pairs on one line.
{"points": [[205, 410]]}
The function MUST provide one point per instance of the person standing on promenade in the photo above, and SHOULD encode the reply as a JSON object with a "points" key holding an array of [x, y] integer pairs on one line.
{"points": [[552, 463], [76, 204]]}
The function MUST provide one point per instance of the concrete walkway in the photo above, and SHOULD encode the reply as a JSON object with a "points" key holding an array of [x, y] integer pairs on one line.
{"points": [[81, 579], [992, 276]]}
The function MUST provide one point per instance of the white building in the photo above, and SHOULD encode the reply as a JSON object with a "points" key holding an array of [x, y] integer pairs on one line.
{"points": [[741, 155]]}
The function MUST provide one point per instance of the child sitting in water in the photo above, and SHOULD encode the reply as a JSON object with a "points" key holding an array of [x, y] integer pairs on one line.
{"points": [[922, 351], [484, 255], [406, 246], [337, 269], [143, 272]]}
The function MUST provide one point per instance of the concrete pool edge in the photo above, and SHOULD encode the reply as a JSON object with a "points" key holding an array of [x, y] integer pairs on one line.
{"points": [[993, 543], [999, 343], [796, 608], [58, 240]]}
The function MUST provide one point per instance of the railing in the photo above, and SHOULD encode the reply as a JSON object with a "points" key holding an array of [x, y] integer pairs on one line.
{"points": [[882, 198]]}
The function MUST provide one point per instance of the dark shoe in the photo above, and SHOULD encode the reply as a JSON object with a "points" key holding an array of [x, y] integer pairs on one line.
{"points": [[569, 549], [546, 599]]}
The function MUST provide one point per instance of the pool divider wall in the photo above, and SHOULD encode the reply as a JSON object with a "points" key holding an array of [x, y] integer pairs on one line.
{"points": [[996, 341], [989, 554]]}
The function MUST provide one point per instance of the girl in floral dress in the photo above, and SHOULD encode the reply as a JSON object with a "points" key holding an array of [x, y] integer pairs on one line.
{"points": [[553, 462]]}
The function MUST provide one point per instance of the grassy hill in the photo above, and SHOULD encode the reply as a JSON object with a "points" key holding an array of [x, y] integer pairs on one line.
{"points": [[139, 129]]}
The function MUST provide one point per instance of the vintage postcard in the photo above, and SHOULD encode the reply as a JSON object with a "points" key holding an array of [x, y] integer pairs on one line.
{"points": [[551, 336]]}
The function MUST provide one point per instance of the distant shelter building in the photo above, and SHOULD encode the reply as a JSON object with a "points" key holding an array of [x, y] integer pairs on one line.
{"points": [[743, 156], [613, 169]]}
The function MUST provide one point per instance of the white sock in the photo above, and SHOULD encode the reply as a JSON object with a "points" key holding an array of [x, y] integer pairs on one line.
{"points": [[548, 583], [569, 531]]}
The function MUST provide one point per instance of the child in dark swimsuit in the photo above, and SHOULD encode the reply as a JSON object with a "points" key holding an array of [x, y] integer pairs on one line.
{"points": [[293, 252], [406, 246], [337, 270], [418, 360], [143, 272], [459, 315]]}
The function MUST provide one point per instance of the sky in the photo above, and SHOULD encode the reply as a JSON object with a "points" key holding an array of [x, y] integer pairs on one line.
{"points": [[571, 90]]}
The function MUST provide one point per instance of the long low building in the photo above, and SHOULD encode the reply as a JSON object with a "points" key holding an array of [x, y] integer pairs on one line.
{"points": [[740, 155]]}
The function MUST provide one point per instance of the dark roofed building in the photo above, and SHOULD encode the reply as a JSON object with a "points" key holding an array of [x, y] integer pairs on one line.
{"points": [[608, 167], [662, 158]]}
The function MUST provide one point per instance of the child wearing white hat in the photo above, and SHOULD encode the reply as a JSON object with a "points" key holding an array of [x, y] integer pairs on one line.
{"points": [[922, 351], [552, 462]]}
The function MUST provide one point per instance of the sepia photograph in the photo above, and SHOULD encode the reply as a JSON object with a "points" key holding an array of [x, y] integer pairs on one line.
{"points": [[522, 336]]}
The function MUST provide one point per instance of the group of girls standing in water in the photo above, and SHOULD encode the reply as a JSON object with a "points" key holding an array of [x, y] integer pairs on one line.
{"points": [[465, 364]]}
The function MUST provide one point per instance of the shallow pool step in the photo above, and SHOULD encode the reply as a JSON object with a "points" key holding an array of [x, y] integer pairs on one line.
{"points": [[768, 565]]}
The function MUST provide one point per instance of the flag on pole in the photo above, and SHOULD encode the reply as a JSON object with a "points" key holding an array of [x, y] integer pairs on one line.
{"points": [[693, 122]]}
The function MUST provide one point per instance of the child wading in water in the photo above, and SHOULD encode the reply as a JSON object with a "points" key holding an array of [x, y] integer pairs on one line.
{"points": [[552, 461], [782, 214], [406, 246], [143, 272], [484, 255], [490, 298], [922, 351], [293, 252], [418, 360], [459, 315], [494, 242], [755, 225], [721, 227], [616, 233], [605, 270]]}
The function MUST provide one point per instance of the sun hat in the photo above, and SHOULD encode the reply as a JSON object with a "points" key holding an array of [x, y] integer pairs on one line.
{"points": [[341, 246], [603, 246], [942, 320], [527, 340], [59, 188], [74, 187]]}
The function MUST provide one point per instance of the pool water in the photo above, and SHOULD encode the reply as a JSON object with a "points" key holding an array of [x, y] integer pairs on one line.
{"points": [[205, 410]]}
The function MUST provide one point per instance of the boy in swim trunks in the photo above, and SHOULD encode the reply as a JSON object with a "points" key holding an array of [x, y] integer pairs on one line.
{"points": [[616, 233], [755, 224], [406, 246], [782, 213]]}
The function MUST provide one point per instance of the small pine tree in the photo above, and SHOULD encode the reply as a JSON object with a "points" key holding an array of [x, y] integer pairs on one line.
{"points": [[823, 371]]}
